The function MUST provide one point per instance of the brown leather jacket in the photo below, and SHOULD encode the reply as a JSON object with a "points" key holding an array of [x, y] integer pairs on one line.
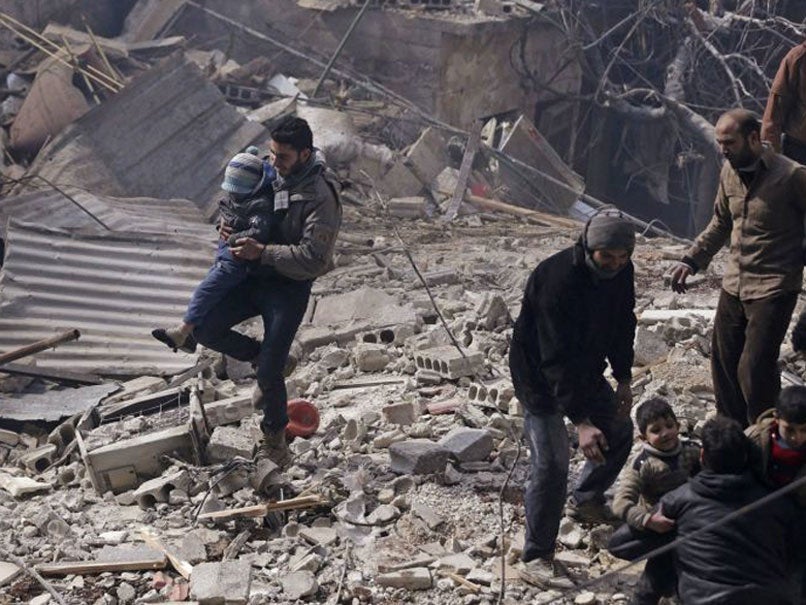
{"points": [[763, 225], [785, 112]]}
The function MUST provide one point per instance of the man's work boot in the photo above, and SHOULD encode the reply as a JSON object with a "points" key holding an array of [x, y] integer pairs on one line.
{"points": [[544, 574], [273, 447]]}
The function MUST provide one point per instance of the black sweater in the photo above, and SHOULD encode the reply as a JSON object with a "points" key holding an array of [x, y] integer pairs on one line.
{"points": [[569, 324]]}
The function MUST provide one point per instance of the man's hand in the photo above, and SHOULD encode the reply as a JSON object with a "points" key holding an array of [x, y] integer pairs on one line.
{"points": [[224, 230], [680, 273], [624, 398], [660, 523], [247, 248], [592, 442]]}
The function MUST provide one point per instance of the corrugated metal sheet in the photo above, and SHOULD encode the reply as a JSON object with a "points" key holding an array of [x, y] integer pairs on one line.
{"points": [[169, 133], [52, 208], [113, 286]]}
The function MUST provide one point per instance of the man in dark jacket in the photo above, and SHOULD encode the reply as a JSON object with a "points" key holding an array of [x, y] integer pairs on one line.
{"points": [[745, 561], [304, 226], [577, 313]]}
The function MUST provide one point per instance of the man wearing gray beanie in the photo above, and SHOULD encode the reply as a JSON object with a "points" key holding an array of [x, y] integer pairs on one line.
{"points": [[577, 315]]}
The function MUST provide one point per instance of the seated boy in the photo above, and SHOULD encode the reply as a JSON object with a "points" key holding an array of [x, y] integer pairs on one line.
{"points": [[247, 210], [746, 561], [664, 463], [779, 437]]}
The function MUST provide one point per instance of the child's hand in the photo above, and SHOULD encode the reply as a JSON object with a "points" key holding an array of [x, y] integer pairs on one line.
{"points": [[660, 523], [224, 230]]}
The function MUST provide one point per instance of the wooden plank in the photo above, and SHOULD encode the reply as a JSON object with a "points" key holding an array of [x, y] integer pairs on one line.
{"points": [[473, 142], [261, 510], [68, 378], [66, 568], [39, 346], [183, 567]]}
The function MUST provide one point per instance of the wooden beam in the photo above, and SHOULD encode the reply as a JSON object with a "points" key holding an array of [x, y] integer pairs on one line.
{"points": [[261, 510], [39, 346], [66, 568], [180, 565]]}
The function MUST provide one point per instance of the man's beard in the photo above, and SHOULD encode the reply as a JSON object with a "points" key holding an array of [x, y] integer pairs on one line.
{"points": [[744, 159]]}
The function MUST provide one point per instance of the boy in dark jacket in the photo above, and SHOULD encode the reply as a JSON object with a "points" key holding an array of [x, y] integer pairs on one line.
{"points": [[745, 561], [664, 463], [577, 314], [247, 211]]}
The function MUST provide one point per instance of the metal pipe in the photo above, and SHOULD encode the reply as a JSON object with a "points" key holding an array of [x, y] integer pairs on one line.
{"points": [[39, 346], [340, 47]]}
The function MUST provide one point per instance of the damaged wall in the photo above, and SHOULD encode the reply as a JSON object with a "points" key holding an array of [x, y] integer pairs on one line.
{"points": [[456, 66]]}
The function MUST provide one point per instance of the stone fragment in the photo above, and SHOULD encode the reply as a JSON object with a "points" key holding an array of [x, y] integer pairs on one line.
{"points": [[386, 439], [8, 571], [468, 445], [334, 358], [572, 559], [480, 576], [192, 548], [299, 584], [650, 347], [323, 536], [224, 583], [492, 311], [226, 442], [571, 535], [417, 457], [408, 207], [229, 410], [428, 156], [404, 413], [126, 593], [370, 357], [42, 599], [427, 514], [460, 563], [418, 578], [383, 514], [586, 598]]}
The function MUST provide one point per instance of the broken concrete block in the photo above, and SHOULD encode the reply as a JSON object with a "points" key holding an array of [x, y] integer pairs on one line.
{"points": [[159, 489], [192, 548], [440, 277], [468, 445], [37, 460], [404, 413], [334, 357], [428, 156], [225, 583], [21, 486], [392, 335], [417, 457], [408, 207], [495, 394], [572, 559], [227, 442], [9, 438], [370, 358], [492, 311], [125, 464], [228, 411], [127, 553], [418, 578], [299, 584], [231, 482], [449, 362], [570, 535]]}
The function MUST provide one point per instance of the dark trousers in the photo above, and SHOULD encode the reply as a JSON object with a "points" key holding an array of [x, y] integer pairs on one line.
{"points": [[660, 577], [744, 353], [281, 303], [225, 274], [545, 492]]}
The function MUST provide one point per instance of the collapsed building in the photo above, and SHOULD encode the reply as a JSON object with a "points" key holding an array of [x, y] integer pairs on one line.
{"points": [[126, 469]]}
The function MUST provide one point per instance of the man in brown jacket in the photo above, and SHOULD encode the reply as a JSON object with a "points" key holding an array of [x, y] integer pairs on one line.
{"points": [[304, 224], [759, 210], [784, 122]]}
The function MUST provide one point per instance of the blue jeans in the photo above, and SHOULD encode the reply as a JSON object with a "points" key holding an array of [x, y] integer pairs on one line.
{"points": [[224, 275], [546, 487], [281, 303]]}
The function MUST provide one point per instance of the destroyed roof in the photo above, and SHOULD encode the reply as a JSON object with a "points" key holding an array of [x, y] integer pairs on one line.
{"points": [[74, 208], [113, 286], [168, 133]]}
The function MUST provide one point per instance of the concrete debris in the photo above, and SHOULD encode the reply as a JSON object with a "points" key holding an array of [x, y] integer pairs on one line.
{"points": [[225, 583], [468, 445], [226, 442], [299, 584], [417, 457], [418, 578]]}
